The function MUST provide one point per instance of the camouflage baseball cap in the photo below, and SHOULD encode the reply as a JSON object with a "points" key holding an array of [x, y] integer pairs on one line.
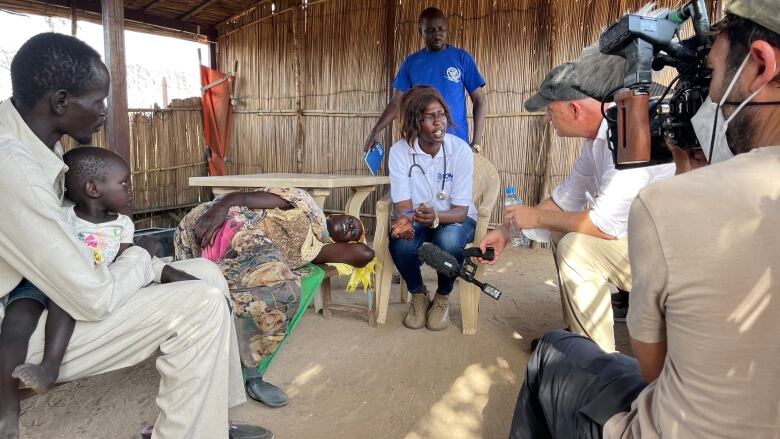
{"points": [[764, 12], [557, 86]]}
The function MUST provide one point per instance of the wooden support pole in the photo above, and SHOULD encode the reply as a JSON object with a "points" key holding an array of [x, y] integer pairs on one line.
{"points": [[117, 123], [390, 11], [390, 18], [213, 55], [74, 19], [300, 136], [164, 92]]}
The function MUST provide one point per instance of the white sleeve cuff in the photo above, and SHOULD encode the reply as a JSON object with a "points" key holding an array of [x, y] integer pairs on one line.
{"points": [[618, 229]]}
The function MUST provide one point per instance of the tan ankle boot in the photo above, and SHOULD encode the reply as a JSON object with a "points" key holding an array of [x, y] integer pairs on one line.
{"points": [[415, 318], [439, 314]]}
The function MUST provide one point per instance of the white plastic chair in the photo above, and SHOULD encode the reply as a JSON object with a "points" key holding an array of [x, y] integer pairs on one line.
{"points": [[486, 185]]}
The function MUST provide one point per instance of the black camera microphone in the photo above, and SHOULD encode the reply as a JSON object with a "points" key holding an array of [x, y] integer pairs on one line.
{"points": [[447, 265]]}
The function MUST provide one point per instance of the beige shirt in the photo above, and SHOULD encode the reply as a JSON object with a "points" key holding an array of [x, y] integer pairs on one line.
{"points": [[709, 284], [38, 243]]}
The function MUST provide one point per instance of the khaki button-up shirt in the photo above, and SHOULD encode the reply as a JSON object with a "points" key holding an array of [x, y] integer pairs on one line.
{"points": [[39, 244]]}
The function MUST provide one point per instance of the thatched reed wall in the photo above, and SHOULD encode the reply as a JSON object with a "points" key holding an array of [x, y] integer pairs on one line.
{"points": [[313, 80], [166, 150], [306, 103]]}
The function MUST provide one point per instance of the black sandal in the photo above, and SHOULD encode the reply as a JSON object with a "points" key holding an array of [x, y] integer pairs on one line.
{"points": [[235, 431], [246, 431], [264, 392]]}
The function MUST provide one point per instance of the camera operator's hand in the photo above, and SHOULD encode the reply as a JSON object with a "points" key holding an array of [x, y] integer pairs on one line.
{"points": [[497, 239], [685, 159]]}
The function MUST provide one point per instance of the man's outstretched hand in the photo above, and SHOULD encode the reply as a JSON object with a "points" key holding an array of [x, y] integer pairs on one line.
{"points": [[496, 239]]}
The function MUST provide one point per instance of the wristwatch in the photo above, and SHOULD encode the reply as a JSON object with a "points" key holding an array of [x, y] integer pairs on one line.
{"points": [[476, 147], [435, 223]]}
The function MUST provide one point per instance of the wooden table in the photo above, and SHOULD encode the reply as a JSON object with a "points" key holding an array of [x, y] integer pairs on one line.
{"points": [[319, 187]]}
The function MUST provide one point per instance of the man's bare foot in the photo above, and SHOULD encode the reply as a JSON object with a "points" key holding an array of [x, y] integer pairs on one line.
{"points": [[39, 378], [9, 423]]}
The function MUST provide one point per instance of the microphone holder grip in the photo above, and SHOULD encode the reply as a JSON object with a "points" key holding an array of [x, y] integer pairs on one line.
{"points": [[468, 271]]}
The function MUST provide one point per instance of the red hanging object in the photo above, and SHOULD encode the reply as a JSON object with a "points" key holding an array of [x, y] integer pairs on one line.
{"points": [[216, 92]]}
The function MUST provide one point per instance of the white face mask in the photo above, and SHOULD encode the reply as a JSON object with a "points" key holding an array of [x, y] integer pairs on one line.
{"points": [[713, 143], [710, 124]]}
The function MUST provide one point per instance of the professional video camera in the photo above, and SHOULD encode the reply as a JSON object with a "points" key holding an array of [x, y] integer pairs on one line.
{"points": [[638, 124]]}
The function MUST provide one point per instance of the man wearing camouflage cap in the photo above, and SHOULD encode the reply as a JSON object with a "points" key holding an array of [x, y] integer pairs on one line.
{"points": [[588, 212], [705, 263]]}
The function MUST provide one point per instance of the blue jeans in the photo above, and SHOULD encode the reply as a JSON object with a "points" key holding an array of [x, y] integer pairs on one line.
{"points": [[451, 238], [26, 290]]}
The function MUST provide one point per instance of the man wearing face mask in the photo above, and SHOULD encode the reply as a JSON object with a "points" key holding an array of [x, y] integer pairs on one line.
{"points": [[704, 258]]}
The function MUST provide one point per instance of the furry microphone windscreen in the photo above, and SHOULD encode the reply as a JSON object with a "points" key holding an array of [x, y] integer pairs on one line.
{"points": [[596, 73], [438, 259]]}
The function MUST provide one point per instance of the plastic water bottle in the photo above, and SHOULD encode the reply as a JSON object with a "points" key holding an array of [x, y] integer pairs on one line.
{"points": [[512, 199]]}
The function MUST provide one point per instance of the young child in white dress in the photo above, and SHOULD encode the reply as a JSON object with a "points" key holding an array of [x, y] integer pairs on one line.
{"points": [[98, 182]]}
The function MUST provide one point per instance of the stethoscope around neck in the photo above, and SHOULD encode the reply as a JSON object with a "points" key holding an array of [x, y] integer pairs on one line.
{"points": [[442, 195]]}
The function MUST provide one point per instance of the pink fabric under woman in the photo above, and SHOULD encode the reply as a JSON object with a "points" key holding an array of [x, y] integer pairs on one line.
{"points": [[218, 250]]}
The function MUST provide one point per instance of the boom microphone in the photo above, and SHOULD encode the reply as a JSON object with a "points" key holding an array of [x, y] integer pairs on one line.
{"points": [[447, 265]]}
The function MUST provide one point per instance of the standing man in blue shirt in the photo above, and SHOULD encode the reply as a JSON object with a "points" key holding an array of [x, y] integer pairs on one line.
{"points": [[452, 71]]}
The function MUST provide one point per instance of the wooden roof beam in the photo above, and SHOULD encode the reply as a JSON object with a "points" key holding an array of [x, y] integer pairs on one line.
{"points": [[137, 16], [243, 11], [189, 14], [151, 5]]}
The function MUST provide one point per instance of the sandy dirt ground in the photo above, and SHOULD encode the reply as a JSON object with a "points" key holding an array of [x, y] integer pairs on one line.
{"points": [[348, 380]]}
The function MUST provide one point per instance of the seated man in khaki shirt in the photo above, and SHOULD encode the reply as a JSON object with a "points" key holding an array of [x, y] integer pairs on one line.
{"points": [[704, 256], [59, 87]]}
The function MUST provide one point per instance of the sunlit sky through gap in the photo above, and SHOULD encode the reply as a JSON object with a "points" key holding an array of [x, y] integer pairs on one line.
{"points": [[150, 58]]}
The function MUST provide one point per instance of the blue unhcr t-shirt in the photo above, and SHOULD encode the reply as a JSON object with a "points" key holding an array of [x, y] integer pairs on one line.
{"points": [[451, 71]]}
